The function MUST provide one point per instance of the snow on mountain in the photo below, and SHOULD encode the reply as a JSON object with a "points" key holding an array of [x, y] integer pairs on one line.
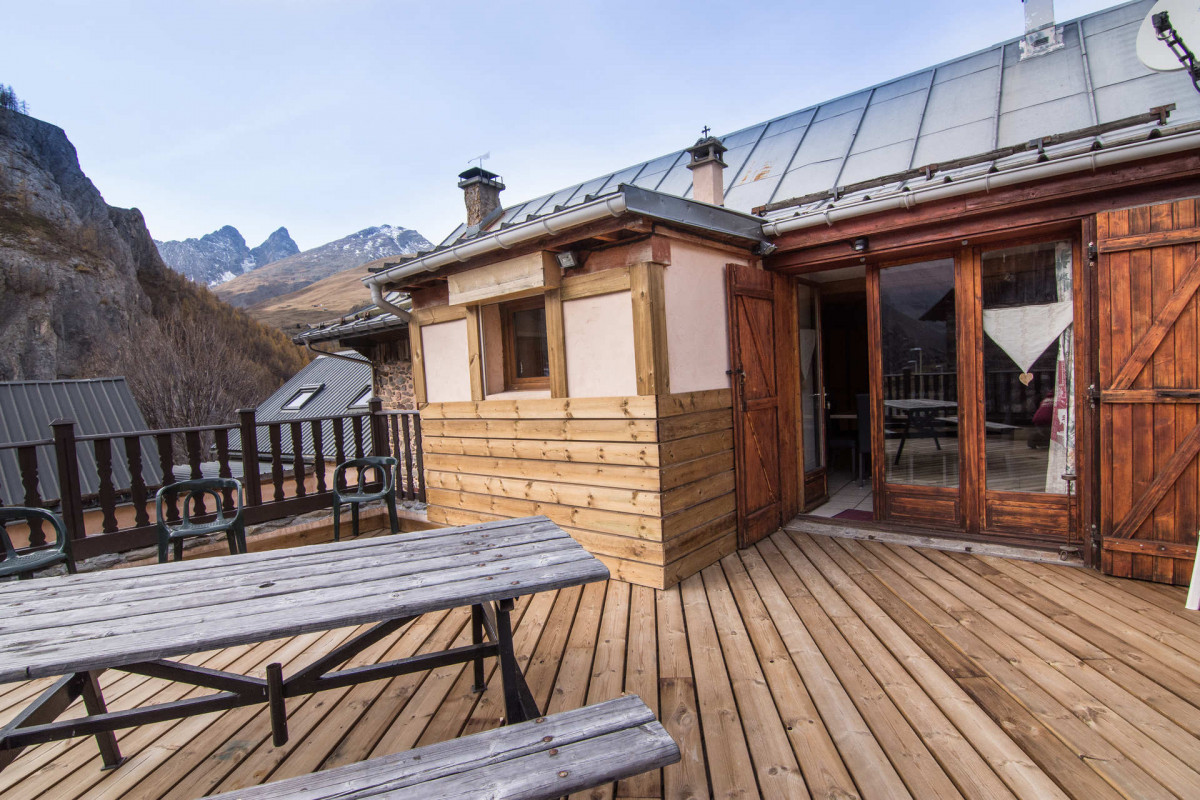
{"points": [[223, 254]]}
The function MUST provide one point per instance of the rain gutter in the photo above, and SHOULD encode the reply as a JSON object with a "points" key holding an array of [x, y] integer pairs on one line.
{"points": [[1091, 160]]}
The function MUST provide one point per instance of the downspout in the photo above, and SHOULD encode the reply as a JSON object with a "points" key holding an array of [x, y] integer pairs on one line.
{"points": [[905, 200], [377, 297]]}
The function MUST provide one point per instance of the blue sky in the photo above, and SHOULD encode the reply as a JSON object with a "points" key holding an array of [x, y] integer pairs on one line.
{"points": [[328, 117]]}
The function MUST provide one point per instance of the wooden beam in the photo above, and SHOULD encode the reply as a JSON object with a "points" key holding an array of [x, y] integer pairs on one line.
{"points": [[417, 349], [556, 344], [604, 282], [474, 353], [436, 314], [649, 328]]}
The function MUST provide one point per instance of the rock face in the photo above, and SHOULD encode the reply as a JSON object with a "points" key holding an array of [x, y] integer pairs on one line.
{"points": [[223, 254], [69, 271], [298, 271]]}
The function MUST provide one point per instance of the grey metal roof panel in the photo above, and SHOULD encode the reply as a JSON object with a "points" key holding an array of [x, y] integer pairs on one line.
{"points": [[962, 107], [98, 406]]}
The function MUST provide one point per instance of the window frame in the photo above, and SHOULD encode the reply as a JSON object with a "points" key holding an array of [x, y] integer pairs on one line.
{"points": [[312, 389], [362, 399], [509, 344]]}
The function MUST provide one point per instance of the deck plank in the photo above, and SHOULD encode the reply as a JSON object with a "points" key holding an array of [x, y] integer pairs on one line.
{"points": [[841, 668]]}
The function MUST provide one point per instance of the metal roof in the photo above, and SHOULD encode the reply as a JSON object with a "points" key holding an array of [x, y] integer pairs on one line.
{"points": [[963, 107], [101, 405], [361, 323], [341, 382]]}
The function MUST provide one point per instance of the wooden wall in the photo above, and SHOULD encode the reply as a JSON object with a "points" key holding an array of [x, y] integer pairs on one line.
{"points": [[644, 482]]}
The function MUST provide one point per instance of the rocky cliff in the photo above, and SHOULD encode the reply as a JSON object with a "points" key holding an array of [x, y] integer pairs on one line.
{"points": [[82, 283], [298, 271], [223, 254]]}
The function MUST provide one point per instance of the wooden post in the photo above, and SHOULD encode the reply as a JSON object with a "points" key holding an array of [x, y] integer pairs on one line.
{"points": [[379, 427], [250, 476], [649, 328], [70, 502]]}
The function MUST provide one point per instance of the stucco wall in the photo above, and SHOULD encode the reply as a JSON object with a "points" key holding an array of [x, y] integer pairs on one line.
{"points": [[599, 343], [447, 373], [697, 324]]}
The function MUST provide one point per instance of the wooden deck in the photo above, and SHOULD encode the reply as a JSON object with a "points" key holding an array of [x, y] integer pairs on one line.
{"points": [[805, 666]]}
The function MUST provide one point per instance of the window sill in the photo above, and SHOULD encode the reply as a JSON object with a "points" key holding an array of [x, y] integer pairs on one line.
{"points": [[518, 393]]}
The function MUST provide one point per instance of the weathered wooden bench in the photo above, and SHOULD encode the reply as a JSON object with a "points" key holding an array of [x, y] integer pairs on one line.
{"points": [[542, 758]]}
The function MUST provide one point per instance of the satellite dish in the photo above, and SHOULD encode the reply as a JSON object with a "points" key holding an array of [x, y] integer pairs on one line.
{"points": [[1185, 18]]}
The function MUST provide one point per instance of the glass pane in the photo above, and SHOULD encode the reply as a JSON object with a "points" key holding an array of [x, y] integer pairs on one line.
{"points": [[1028, 367], [812, 398], [531, 358], [920, 373]]}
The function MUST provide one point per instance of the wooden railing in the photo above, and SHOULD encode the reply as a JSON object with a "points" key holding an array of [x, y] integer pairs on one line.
{"points": [[1007, 399], [279, 479]]}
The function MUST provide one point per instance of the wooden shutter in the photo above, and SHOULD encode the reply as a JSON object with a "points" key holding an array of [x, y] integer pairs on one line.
{"points": [[1148, 273], [763, 425]]}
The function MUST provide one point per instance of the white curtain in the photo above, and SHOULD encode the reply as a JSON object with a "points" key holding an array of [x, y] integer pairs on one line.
{"points": [[1062, 425]]}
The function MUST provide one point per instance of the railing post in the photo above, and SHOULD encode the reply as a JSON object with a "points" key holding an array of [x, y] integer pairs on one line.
{"points": [[379, 427], [250, 476], [70, 501]]}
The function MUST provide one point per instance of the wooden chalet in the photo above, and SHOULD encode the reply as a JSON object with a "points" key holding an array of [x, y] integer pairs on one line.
{"points": [[979, 278]]}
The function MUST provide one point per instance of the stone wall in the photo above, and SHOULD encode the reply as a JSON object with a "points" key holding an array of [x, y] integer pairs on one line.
{"points": [[393, 377]]}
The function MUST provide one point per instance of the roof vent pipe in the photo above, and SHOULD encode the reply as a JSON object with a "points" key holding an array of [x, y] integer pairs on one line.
{"points": [[707, 166], [1041, 34]]}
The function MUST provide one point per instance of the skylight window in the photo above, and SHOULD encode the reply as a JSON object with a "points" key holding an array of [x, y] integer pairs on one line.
{"points": [[301, 398], [361, 402]]}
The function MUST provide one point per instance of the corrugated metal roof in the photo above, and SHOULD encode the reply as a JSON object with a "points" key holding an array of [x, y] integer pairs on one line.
{"points": [[963, 107], [102, 405], [341, 382], [364, 322]]}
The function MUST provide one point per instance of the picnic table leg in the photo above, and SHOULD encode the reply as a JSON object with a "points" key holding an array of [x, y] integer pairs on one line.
{"points": [[477, 638], [93, 701], [275, 701], [519, 704]]}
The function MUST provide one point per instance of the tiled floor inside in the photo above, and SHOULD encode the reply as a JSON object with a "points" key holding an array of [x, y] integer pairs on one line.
{"points": [[845, 494]]}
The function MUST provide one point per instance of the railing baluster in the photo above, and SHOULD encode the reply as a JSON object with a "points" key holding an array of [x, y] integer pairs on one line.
{"points": [[27, 461], [339, 438], [166, 462], [250, 473], [106, 493], [192, 441], [70, 501], [411, 488], [357, 422], [274, 435], [298, 459], [137, 482], [221, 439], [420, 476], [318, 454]]}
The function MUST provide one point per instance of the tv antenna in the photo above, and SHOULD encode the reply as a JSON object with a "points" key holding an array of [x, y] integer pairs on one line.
{"points": [[480, 159]]}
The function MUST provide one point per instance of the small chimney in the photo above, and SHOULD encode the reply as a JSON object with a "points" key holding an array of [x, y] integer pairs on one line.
{"points": [[1041, 34], [481, 193], [707, 166]]}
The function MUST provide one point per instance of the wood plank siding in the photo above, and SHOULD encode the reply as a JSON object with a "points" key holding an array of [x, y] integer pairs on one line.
{"points": [[803, 666], [645, 483]]}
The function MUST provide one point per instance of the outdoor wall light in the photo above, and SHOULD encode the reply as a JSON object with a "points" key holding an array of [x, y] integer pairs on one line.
{"points": [[860, 244], [568, 259]]}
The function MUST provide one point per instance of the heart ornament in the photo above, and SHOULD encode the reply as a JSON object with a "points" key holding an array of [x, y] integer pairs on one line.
{"points": [[1025, 378]]}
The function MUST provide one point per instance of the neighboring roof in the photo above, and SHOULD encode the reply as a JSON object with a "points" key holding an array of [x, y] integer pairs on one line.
{"points": [[342, 381], [366, 322], [101, 405], [963, 107]]}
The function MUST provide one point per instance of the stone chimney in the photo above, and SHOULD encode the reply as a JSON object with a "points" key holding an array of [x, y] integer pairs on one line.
{"points": [[707, 166], [481, 193], [1041, 34]]}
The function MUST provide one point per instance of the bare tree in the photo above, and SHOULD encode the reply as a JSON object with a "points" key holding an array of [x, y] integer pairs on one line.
{"points": [[9, 100]]}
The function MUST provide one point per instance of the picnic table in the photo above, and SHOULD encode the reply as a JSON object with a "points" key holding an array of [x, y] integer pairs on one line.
{"points": [[920, 419], [135, 620]]}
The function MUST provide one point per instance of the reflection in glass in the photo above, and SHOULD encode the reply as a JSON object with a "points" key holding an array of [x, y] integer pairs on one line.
{"points": [[813, 398], [920, 373], [1027, 367], [529, 335]]}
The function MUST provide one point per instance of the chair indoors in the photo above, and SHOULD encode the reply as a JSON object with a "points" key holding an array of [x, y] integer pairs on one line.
{"points": [[192, 496], [376, 481], [24, 562]]}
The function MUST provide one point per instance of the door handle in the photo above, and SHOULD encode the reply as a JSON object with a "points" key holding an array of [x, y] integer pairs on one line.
{"points": [[740, 374]]}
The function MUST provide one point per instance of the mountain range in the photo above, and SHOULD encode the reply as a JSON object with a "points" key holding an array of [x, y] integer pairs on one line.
{"points": [[223, 254], [302, 269]]}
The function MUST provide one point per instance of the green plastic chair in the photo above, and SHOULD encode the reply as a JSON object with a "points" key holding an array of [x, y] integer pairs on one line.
{"points": [[25, 562], [233, 527], [385, 466]]}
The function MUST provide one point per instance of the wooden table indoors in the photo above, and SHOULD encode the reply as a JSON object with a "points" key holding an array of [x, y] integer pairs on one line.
{"points": [[135, 619]]}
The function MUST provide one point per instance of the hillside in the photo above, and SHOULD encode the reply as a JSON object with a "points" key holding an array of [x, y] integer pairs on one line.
{"points": [[327, 299], [84, 292], [223, 254], [304, 269]]}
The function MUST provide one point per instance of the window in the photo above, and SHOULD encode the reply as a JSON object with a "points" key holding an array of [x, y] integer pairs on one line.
{"points": [[361, 401], [301, 397], [526, 355]]}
